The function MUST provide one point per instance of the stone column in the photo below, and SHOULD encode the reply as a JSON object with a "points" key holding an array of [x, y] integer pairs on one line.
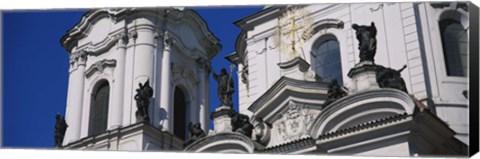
{"points": [[75, 96], [118, 83], [166, 93]]}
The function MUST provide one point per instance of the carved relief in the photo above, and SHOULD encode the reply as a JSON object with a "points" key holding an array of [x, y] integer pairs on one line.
{"points": [[79, 57], [262, 131], [168, 39], [294, 123], [100, 66], [380, 6]]}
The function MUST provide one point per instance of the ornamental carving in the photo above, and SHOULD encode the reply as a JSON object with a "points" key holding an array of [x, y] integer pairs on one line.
{"points": [[99, 66], [294, 28], [294, 123], [80, 57]]}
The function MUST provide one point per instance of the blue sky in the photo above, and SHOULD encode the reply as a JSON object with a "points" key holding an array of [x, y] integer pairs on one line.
{"points": [[36, 68]]}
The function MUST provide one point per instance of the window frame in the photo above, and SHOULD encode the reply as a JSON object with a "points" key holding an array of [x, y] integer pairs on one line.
{"points": [[92, 112], [317, 44]]}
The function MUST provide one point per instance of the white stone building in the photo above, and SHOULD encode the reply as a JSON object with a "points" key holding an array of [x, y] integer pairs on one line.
{"points": [[286, 58], [284, 97]]}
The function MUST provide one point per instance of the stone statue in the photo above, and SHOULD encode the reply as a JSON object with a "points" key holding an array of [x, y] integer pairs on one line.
{"points": [[60, 129], [144, 93], [367, 44], [334, 92], [240, 123], [196, 133], [225, 87], [390, 78]]}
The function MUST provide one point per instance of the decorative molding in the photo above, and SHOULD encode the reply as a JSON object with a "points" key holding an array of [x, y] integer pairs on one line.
{"points": [[286, 88], [100, 47], [79, 57], [294, 122], [99, 66], [393, 101], [380, 6], [168, 40], [122, 38], [326, 24], [262, 131], [223, 141], [300, 144], [363, 126], [81, 30]]}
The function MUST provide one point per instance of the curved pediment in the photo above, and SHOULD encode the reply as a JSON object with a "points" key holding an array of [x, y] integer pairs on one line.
{"points": [[362, 108], [327, 23], [276, 99], [101, 26], [226, 142], [84, 27]]}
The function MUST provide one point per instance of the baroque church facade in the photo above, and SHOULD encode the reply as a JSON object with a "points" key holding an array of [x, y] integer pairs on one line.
{"points": [[375, 79]]}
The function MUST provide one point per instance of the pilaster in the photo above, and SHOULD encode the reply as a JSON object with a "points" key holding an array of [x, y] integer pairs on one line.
{"points": [[75, 96], [166, 98], [118, 83]]}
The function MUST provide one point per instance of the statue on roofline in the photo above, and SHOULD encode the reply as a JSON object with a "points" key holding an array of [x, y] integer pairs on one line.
{"points": [[367, 43], [60, 129], [240, 123], [335, 91], [196, 133], [225, 87], [390, 78]]}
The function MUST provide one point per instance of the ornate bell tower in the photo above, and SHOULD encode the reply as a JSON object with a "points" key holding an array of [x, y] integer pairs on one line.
{"points": [[114, 55]]}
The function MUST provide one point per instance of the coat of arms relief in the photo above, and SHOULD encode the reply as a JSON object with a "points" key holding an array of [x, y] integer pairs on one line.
{"points": [[294, 122]]}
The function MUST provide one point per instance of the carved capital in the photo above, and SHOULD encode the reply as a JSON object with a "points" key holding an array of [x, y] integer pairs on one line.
{"points": [[79, 57], [122, 39], [168, 40]]}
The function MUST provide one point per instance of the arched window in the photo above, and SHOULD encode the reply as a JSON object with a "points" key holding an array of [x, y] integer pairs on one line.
{"points": [[179, 114], [327, 59], [455, 47], [99, 109]]}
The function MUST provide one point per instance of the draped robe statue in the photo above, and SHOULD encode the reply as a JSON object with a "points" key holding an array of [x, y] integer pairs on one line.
{"points": [[225, 87], [367, 43]]}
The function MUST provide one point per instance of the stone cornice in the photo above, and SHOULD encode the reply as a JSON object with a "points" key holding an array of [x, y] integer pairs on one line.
{"points": [[395, 101], [81, 30], [99, 66], [327, 23], [420, 126], [227, 138], [249, 22], [139, 127], [292, 146], [363, 126]]}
